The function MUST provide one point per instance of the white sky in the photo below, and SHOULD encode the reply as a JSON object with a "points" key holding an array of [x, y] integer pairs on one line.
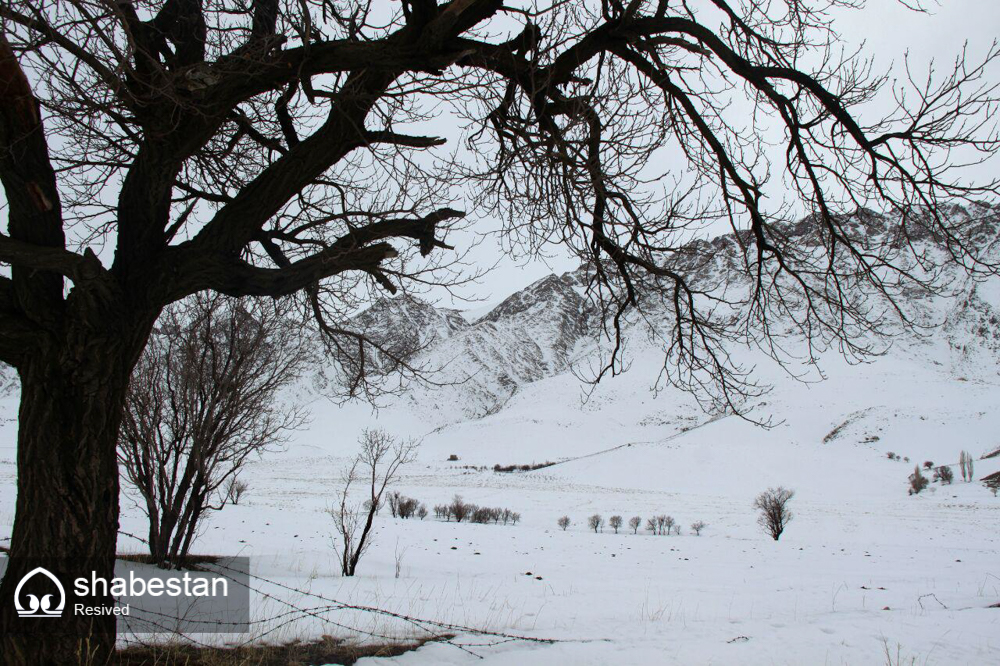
{"points": [[888, 32]]}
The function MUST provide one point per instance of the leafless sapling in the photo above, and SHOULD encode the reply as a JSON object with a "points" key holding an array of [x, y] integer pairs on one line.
{"points": [[376, 466]]}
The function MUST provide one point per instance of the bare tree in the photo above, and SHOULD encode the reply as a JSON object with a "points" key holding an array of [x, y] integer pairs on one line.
{"points": [[563, 522], [772, 505], [634, 522], [653, 525], [615, 522], [595, 522], [667, 525], [661, 525], [202, 402], [966, 464], [261, 148], [697, 527], [459, 509], [375, 468]]}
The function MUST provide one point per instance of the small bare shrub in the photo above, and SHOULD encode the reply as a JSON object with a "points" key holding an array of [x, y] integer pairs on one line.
{"points": [[917, 481], [652, 525], [698, 527], [774, 513], [564, 523], [944, 474], [615, 522], [235, 489], [668, 524], [928, 464]]}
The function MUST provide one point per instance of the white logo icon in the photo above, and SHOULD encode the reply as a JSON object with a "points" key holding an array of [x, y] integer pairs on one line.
{"points": [[39, 607]]}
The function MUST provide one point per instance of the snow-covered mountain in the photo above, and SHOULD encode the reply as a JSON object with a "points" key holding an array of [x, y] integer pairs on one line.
{"points": [[550, 327]]}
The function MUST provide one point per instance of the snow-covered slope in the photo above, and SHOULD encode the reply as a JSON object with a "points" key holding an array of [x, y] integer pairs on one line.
{"points": [[550, 328]]}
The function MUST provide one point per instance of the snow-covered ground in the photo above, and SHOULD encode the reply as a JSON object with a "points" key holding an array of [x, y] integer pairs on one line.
{"points": [[862, 568]]}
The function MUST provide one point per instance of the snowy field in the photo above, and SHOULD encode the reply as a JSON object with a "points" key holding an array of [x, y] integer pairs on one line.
{"points": [[863, 567]]}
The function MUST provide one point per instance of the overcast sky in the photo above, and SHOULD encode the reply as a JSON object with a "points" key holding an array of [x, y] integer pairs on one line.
{"points": [[886, 28]]}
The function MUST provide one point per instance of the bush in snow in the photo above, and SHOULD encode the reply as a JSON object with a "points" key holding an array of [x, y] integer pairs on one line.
{"points": [[564, 522], [515, 517], [402, 506], [459, 509], [422, 512], [773, 507], [595, 522], [653, 525], [928, 464], [944, 474], [481, 515], [917, 481], [697, 527], [890, 455], [235, 489], [615, 522], [634, 522]]}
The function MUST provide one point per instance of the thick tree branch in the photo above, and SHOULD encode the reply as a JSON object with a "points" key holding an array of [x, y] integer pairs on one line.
{"points": [[34, 207]]}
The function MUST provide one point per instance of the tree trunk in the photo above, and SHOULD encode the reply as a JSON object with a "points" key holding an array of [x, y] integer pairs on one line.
{"points": [[67, 493]]}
